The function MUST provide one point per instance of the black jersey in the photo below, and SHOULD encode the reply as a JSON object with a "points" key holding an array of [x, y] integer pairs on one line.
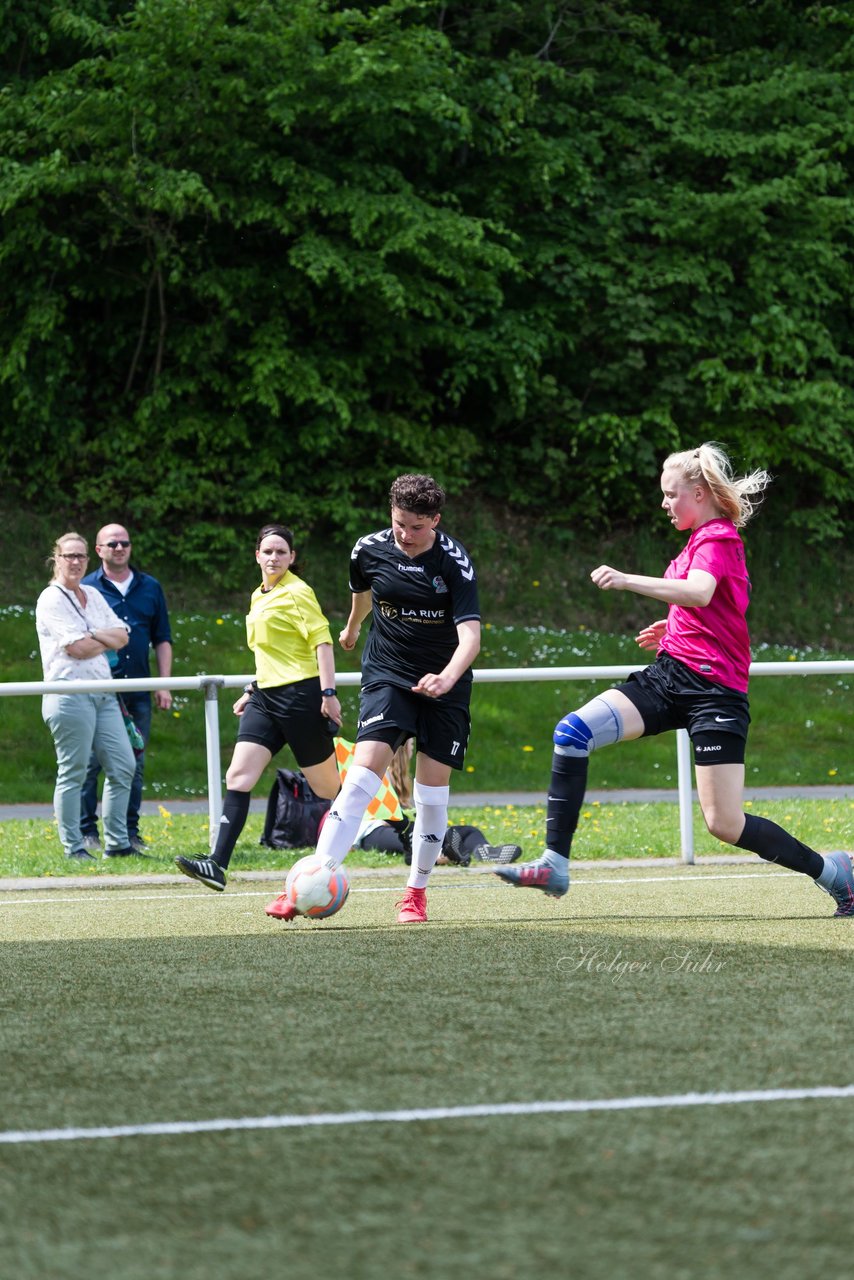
{"points": [[417, 603]]}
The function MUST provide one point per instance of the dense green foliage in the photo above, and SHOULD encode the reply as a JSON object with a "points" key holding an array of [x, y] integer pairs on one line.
{"points": [[259, 256]]}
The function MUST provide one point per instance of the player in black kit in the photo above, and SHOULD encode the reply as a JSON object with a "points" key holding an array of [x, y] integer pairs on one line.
{"points": [[421, 589]]}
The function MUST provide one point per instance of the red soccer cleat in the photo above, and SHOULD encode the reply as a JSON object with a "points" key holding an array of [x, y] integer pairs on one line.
{"points": [[413, 907], [281, 908]]}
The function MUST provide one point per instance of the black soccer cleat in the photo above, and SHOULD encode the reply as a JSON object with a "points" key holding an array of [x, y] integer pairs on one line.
{"points": [[205, 870]]}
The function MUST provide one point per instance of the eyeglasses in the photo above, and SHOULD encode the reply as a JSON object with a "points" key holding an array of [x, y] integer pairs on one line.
{"points": [[73, 555], [113, 545]]}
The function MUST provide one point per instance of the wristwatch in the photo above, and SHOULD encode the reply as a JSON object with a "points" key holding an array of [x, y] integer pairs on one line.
{"points": [[327, 693]]}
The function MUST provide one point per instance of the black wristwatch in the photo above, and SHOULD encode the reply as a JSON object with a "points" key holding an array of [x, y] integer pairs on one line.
{"points": [[328, 693]]}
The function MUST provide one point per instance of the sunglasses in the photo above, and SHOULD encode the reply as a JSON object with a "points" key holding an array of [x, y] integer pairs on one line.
{"points": [[114, 545], [73, 555]]}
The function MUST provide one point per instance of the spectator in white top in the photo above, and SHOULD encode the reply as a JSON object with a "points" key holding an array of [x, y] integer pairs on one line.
{"points": [[76, 628]]}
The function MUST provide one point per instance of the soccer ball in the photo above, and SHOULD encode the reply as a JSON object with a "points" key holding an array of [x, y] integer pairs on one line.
{"points": [[314, 890]]}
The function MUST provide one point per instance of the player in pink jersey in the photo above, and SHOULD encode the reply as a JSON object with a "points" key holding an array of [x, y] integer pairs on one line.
{"points": [[697, 682]]}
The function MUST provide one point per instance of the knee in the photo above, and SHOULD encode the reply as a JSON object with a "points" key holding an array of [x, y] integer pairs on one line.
{"points": [[122, 771], [426, 796], [724, 826], [327, 790], [239, 779], [573, 735]]}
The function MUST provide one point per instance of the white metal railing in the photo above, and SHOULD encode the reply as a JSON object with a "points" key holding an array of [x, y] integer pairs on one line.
{"points": [[211, 684]]}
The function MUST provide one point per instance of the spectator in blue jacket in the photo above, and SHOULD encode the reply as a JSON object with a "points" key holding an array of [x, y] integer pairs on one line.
{"points": [[138, 600]]}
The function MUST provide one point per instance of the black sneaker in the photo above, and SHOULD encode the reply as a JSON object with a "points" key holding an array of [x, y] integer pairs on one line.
{"points": [[502, 853], [452, 847], [82, 855], [119, 853], [204, 870], [91, 841]]}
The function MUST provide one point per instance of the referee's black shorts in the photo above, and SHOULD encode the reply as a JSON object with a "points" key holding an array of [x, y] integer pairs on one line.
{"points": [[670, 695], [289, 715]]}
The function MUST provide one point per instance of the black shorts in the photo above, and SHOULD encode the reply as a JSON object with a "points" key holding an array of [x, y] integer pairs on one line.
{"points": [[670, 695], [393, 715], [289, 714]]}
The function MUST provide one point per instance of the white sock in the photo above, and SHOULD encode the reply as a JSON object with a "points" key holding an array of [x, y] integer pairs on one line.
{"points": [[431, 823], [345, 814]]}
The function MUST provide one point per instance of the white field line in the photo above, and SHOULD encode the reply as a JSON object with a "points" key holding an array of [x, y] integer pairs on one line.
{"points": [[110, 895], [480, 1111]]}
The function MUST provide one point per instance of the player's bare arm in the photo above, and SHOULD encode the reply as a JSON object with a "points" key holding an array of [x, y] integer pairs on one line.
{"points": [[693, 592], [359, 610], [435, 684]]}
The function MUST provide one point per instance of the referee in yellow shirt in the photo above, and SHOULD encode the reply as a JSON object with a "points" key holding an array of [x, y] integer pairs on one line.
{"points": [[292, 700]]}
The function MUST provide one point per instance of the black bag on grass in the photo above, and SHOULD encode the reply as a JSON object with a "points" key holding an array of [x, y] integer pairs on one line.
{"points": [[294, 813]]}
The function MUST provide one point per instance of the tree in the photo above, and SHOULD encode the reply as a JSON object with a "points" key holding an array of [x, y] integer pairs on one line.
{"points": [[259, 257]]}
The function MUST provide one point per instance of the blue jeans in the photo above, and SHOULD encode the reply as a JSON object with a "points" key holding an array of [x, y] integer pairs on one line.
{"points": [[139, 706], [80, 722]]}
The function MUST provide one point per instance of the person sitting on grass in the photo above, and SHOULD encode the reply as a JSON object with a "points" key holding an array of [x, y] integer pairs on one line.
{"points": [[394, 835]]}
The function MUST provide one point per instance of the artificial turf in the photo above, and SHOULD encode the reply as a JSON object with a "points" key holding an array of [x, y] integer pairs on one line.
{"points": [[139, 1005]]}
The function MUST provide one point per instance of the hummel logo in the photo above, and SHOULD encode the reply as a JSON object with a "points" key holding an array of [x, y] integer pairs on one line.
{"points": [[723, 719]]}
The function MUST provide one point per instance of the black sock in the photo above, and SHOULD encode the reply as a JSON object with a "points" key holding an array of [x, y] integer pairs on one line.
{"points": [[235, 811], [772, 843], [566, 796]]}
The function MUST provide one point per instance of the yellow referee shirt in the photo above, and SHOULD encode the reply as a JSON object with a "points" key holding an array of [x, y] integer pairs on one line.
{"points": [[284, 627]]}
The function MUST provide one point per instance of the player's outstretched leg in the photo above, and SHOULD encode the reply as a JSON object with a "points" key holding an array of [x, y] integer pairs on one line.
{"points": [[550, 873], [841, 887]]}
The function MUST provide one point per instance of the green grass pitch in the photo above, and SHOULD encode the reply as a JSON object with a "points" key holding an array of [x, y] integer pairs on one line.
{"points": [[141, 1004]]}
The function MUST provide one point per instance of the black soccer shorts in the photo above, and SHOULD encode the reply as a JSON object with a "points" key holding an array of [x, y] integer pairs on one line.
{"points": [[670, 695], [390, 714]]}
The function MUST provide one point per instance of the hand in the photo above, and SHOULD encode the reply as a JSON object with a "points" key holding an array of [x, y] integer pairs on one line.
{"points": [[433, 686], [608, 579], [240, 705], [650, 637], [331, 708], [348, 637], [162, 699]]}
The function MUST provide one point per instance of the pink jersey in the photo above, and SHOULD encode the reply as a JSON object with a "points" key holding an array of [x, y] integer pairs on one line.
{"points": [[713, 640]]}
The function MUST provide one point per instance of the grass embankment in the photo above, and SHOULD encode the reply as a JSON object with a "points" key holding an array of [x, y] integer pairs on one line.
{"points": [[606, 832], [800, 732]]}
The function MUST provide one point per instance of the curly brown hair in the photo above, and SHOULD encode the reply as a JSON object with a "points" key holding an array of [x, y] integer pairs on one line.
{"points": [[420, 495]]}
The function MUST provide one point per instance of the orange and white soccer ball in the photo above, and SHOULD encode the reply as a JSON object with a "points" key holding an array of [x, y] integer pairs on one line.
{"points": [[316, 890]]}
